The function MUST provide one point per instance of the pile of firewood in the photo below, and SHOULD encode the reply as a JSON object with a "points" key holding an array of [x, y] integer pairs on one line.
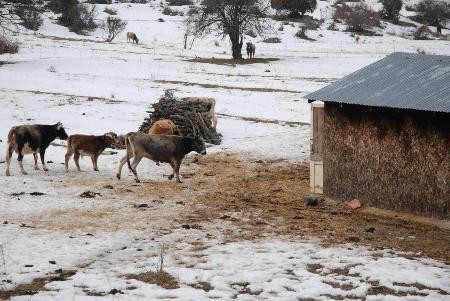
{"points": [[190, 118]]}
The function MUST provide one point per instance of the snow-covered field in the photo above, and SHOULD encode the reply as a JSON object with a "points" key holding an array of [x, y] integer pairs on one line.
{"points": [[96, 87]]}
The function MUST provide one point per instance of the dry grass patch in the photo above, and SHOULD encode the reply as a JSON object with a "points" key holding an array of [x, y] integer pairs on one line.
{"points": [[203, 285], [232, 62], [35, 286], [160, 278]]}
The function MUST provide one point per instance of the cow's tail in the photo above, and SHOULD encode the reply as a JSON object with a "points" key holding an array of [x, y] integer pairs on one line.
{"points": [[129, 149], [12, 135], [69, 143]]}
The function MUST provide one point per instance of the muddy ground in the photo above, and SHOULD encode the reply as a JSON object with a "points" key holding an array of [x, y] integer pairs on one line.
{"points": [[262, 198]]}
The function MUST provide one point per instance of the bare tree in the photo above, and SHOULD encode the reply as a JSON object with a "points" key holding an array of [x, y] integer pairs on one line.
{"points": [[230, 18], [112, 27]]}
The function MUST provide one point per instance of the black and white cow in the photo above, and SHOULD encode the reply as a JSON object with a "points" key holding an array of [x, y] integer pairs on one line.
{"points": [[163, 148], [32, 139]]}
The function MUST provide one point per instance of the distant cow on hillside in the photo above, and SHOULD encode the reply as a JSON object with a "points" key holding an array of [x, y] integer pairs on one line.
{"points": [[132, 36], [32, 139], [251, 48]]}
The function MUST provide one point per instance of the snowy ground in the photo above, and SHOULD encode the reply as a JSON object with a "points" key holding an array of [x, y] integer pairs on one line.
{"points": [[95, 87]]}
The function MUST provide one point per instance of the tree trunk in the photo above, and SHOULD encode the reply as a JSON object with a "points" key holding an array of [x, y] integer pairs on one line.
{"points": [[236, 46]]}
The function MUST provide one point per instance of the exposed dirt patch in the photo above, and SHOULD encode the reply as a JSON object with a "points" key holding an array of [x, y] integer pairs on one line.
{"points": [[232, 62], [216, 86], [88, 98], [269, 197], [260, 198]]}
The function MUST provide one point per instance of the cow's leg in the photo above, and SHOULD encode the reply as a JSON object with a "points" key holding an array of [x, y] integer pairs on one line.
{"points": [[20, 160], [122, 162], [76, 158], [172, 163], [36, 167], [134, 164], [67, 158], [94, 161], [177, 170], [9, 152], [42, 154]]}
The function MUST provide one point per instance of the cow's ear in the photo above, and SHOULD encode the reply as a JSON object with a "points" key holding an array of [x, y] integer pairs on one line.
{"points": [[59, 126]]}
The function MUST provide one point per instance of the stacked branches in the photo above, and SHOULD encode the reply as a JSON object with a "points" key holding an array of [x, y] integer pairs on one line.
{"points": [[191, 118]]}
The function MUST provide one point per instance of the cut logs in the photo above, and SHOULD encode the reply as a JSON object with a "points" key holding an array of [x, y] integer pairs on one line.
{"points": [[191, 118]]}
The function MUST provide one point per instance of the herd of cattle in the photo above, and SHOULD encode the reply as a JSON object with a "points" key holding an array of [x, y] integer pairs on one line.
{"points": [[163, 143]]}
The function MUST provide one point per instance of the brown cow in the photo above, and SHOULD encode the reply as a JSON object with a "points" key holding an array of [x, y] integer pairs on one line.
{"points": [[91, 146], [164, 127], [132, 36], [251, 48]]}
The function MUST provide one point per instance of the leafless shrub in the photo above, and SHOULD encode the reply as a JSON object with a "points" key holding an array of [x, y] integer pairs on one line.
{"points": [[310, 23], [168, 11], [29, 15], [301, 34], [77, 17], [422, 33], [158, 277], [272, 40], [251, 33], [332, 27], [112, 27], [192, 11], [431, 11], [8, 45], [359, 18], [99, 1], [180, 2], [391, 10], [110, 11], [410, 8]]}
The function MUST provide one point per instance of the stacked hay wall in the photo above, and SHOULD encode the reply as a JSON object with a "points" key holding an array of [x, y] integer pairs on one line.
{"points": [[388, 158], [191, 118]]}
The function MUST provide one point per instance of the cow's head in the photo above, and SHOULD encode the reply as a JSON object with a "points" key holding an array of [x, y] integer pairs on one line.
{"points": [[60, 131], [136, 40], [111, 139], [199, 146]]}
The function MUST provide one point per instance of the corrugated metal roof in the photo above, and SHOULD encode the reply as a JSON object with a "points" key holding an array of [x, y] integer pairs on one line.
{"points": [[400, 80]]}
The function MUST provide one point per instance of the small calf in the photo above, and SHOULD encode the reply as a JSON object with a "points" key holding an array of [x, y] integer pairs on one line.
{"points": [[88, 145], [131, 36]]}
